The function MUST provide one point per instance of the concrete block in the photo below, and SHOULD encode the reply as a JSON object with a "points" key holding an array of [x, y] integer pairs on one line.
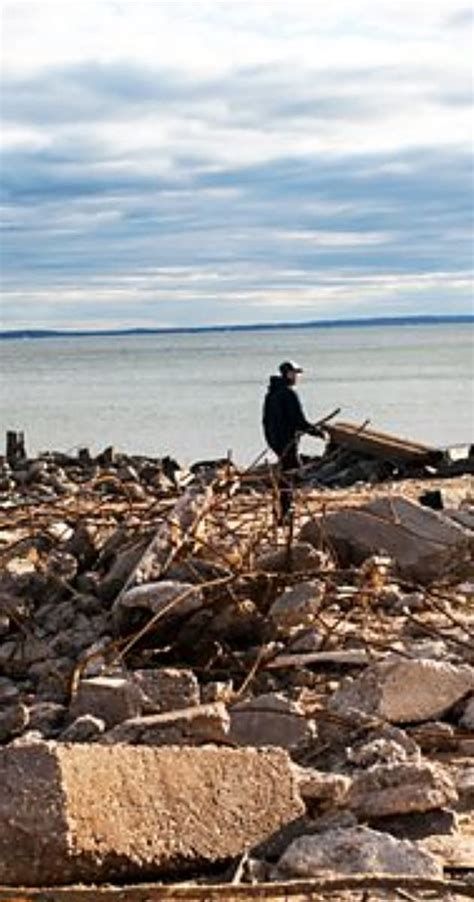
{"points": [[190, 726], [93, 813], [405, 691], [112, 699]]}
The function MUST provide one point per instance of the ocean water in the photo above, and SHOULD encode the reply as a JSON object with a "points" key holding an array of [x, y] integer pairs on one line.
{"points": [[200, 395]]}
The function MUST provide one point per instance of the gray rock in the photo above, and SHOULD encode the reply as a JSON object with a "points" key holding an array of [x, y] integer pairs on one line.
{"points": [[166, 689], [269, 719], [52, 678], [46, 717], [56, 617], [307, 640], [330, 790], [387, 789], [378, 751], [355, 850], [423, 543], [163, 597], [405, 691], [418, 825], [303, 558], [190, 726], [83, 729], [13, 720], [297, 605], [111, 699]]}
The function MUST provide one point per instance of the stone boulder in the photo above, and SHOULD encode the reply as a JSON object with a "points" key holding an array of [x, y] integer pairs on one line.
{"points": [[113, 699], [84, 729], [423, 544], [189, 726], [167, 598], [355, 850], [297, 605], [405, 691], [388, 789], [85, 813], [166, 689], [269, 719]]}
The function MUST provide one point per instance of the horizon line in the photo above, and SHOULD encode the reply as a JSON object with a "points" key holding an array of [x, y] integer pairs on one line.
{"points": [[354, 322]]}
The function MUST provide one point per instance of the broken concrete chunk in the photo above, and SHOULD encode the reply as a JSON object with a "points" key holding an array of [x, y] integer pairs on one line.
{"points": [[83, 729], [378, 751], [306, 640], [418, 825], [166, 689], [329, 789], [13, 721], [405, 691], [112, 699], [125, 560], [303, 557], [190, 726], [387, 789], [297, 605], [269, 719], [355, 850], [46, 717], [423, 544], [66, 814], [169, 598]]}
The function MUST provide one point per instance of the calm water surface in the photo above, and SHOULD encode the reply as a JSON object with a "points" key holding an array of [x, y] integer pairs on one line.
{"points": [[200, 395]]}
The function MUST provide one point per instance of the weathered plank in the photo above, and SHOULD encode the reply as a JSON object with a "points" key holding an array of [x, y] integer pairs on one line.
{"points": [[296, 890], [381, 445]]}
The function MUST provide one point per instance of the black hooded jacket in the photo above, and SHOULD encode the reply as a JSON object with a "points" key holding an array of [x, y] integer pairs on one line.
{"points": [[283, 416]]}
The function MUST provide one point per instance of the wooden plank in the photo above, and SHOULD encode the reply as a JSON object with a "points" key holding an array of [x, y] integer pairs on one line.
{"points": [[381, 445], [349, 658], [296, 890]]}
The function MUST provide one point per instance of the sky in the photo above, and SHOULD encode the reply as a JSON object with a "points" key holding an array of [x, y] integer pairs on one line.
{"points": [[227, 161]]}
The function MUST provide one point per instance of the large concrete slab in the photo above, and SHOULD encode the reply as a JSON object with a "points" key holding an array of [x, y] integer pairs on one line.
{"points": [[424, 544], [93, 813], [405, 691]]}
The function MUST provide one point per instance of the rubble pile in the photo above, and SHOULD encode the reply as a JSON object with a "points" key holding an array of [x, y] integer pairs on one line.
{"points": [[188, 692]]}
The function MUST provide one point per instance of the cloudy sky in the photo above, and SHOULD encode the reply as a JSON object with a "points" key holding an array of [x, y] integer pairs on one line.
{"points": [[228, 161]]}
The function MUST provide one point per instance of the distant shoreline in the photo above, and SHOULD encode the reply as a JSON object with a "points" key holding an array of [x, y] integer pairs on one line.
{"points": [[247, 327]]}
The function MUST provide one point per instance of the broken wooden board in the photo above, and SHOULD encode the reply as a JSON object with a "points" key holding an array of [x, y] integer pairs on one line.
{"points": [[340, 658], [380, 445], [329, 886]]}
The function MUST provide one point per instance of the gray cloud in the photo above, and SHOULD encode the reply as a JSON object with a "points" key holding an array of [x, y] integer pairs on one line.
{"points": [[180, 230]]}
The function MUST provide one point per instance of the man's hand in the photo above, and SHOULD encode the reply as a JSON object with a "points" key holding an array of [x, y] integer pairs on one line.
{"points": [[318, 432]]}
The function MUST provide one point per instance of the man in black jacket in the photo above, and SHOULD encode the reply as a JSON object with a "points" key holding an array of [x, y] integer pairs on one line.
{"points": [[283, 422]]}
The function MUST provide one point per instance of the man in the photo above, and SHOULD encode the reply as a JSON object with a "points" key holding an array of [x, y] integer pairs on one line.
{"points": [[283, 422]]}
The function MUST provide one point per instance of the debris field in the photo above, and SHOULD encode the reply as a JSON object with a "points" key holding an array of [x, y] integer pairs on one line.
{"points": [[196, 701]]}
